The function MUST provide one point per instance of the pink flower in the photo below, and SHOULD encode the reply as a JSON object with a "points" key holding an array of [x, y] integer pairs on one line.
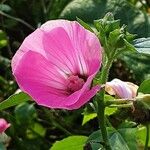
{"points": [[3, 125], [56, 64], [121, 89]]}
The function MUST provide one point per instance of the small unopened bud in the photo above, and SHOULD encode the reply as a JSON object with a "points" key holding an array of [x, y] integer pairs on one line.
{"points": [[3, 125], [4, 139], [121, 89]]}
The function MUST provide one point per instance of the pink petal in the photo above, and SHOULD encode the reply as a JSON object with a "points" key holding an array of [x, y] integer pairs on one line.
{"points": [[75, 100], [32, 42], [41, 80], [59, 50], [133, 87], [84, 98], [36, 80], [87, 49]]}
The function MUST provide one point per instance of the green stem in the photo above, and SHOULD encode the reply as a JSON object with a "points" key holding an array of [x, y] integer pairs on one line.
{"points": [[122, 105], [119, 101], [101, 105], [147, 137]]}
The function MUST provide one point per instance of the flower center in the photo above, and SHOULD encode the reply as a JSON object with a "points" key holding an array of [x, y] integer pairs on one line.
{"points": [[75, 83]]}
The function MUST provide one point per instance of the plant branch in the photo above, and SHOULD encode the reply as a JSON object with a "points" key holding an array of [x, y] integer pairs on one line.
{"points": [[147, 137], [119, 101], [17, 19], [101, 104], [122, 106]]}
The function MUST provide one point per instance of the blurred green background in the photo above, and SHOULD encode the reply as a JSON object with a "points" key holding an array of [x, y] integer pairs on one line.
{"points": [[33, 127]]}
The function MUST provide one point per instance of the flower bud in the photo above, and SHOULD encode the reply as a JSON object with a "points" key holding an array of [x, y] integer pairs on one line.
{"points": [[121, 89], [3, 125]]}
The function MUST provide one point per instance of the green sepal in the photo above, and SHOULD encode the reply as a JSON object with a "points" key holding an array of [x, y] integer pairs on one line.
{"points": [[85, 25]]}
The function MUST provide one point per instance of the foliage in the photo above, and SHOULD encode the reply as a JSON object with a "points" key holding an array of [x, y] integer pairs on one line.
{"points": [[14, 100], [72, 142], [142, 45], [119, 139], [89, 10], [145, 87], [36, 128]]}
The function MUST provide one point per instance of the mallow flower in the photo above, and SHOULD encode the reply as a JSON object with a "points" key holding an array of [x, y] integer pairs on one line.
{"points": [[121, 89], [56, 64], [3, 125]]}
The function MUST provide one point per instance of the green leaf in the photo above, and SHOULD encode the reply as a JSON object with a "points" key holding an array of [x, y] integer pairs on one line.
{"points": [[88, 113], [14, 100], [141, 135], [129, 46], [88, 117], [108, 97], [114, 37], [143, 102], [25, 113], [5, 8], [85, 25], [35, 131], [2, 147], [3, 39], [127, 124], [110, 111], [145, 87], [70, 143], [129, 135], [142, 45], [121, 139], [138, 64], [39, 129], [112, 25], [88, 10], [117, 142], [107, 23], [94, 140]]}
